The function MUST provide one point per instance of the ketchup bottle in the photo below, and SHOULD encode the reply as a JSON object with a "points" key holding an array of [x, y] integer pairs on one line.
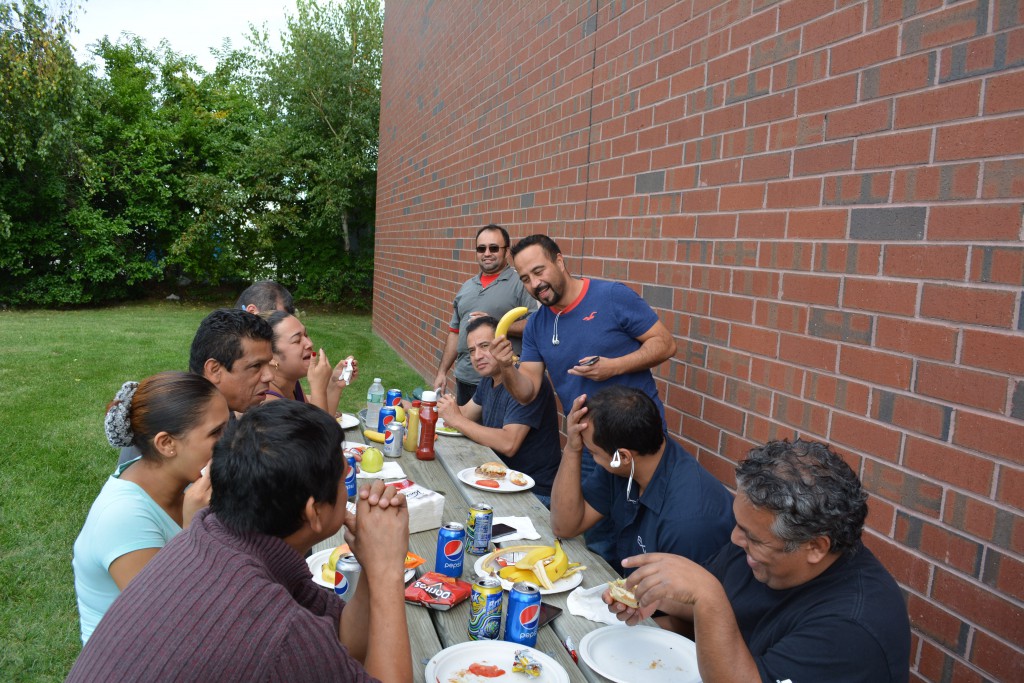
{"points": [[428, 421]]}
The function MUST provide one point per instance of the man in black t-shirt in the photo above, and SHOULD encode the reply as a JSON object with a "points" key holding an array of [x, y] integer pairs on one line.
{"points": [[796, 596], [525, 437]]}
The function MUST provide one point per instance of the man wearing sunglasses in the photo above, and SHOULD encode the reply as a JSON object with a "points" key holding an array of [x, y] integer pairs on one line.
{"points": [[493, 292]]}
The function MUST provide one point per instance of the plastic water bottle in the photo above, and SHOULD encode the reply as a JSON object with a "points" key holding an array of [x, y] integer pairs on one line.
{"points": [[374, 402]]}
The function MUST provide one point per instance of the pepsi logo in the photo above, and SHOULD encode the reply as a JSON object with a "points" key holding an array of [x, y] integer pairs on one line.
{"points": [[389, 438], [340, 583], [388, 419], [528, 617], [452, 550]]}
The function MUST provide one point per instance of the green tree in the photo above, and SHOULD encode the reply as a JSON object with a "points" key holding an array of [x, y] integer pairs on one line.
{"points": [[40, 162], [316, 158]]}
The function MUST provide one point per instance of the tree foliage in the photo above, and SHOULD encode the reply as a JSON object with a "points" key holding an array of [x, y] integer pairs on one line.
{"points": [[150, 170]]}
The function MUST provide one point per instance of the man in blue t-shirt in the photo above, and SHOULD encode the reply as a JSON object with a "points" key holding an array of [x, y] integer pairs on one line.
{"points": [[525, 437], [587, 334], [656, 495], [796, 596]]}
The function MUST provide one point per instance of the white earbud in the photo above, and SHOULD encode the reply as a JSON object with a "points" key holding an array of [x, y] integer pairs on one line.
{"points": [[616, 460]]}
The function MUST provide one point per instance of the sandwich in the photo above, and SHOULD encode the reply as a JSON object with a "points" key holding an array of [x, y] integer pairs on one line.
{"points": [[620, 593], [491, 470]]}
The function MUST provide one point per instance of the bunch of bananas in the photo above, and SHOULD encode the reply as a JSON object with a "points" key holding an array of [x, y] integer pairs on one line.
{"points": [[541, 565]]}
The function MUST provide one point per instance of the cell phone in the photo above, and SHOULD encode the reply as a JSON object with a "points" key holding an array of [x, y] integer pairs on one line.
{"points": [[498, 531], [589, 361], [547, 614]]}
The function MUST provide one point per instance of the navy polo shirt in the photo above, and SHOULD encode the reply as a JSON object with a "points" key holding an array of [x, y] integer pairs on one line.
{"points": [[684, 510]]}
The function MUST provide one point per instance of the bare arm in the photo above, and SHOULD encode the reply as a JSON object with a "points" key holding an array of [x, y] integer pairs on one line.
{"points": [[378, 635], [656, 346], [505, 440], [123, 569], [516, 328], [448, 356], [522, 382], [571, 515]]}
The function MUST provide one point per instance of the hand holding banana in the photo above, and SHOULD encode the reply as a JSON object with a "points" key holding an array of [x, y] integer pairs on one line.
{"points": [[500, 351]]}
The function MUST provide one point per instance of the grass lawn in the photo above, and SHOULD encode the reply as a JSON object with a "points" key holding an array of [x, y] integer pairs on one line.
{"points": [[58, 371]]}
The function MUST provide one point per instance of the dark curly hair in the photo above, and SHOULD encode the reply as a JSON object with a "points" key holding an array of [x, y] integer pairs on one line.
{"points": [[811, 490]]}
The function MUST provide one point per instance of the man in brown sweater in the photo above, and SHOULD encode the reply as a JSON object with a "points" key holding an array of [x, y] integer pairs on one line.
{"points": [[231, 598]]}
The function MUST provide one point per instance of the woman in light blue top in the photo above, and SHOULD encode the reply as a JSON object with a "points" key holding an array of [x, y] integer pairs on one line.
{"points": [[174, 419]]}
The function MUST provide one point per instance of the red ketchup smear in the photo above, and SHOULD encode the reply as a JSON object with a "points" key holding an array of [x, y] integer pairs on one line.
{"points": [[489, 483], [487, 671]]}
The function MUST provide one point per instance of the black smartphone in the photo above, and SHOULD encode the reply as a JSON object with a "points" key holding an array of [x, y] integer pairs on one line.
{"points": [[499, 531], [547, 614], [589, 361]]}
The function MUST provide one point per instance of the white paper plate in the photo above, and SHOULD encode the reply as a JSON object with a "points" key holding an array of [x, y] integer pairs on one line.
{"points": [[560, 586], [451, 663], [441, 426], [469, 477], [315, 561], [348, 421], [640, 653]]}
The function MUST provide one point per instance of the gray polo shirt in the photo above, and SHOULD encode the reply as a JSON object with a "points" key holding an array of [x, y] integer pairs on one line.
{"points": [[497, 299]]}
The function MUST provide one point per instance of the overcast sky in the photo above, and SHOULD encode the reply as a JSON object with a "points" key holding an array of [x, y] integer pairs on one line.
{"points": [[191, 27]]}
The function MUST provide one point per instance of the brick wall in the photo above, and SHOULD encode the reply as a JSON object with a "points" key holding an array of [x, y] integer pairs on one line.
{"points": [[821, 198]]}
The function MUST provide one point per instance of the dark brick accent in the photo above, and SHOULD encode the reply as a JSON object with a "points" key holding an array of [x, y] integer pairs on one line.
{"points": [[1017, 403], [658, 297], [647, 183], [904, 223]]}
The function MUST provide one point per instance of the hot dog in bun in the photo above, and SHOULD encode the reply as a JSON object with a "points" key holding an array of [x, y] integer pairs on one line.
{"points": [[492, 470]]}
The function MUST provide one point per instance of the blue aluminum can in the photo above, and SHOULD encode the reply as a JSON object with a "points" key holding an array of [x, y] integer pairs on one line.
{"points": [[451, 549], [387, 416], [478, 529], [350, 478], [523, 614], [394, 397], [485, 609]]}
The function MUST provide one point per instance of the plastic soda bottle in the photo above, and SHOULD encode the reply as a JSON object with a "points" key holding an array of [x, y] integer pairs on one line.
{"points": [[412, 427], [428, 421], [374, 401]]}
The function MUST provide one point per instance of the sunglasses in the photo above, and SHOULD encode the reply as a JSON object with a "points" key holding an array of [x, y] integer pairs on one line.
{"points": [[493, 248]]}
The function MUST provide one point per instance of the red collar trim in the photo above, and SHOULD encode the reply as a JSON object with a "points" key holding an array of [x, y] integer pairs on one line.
{"points": [[486, 280], [576, 302]]}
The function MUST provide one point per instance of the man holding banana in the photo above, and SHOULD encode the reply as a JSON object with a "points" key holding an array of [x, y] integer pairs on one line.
{"points": [[588, 334], [493, 292]]}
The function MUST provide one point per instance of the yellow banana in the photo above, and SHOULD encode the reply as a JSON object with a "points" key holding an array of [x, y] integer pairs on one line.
{"points": [[534, 556], [558, 565], [327, 573], [488, 564], [513, 574], [506, 320], [400, 413], [373, 435]]}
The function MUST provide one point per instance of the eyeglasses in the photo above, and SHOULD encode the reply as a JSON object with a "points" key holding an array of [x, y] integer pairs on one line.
{"points": [[493, 248]]}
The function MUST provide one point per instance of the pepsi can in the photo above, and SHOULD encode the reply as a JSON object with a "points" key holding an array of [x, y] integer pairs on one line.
{"points": [[485, 609], [350, 479], [394, 398], [393, 440], [451, 545], [346, 576], [387, 416], [478, 529], [523, 614]]}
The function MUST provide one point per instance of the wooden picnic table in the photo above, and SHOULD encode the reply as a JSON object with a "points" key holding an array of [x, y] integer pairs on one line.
{"points": [[431, 631]]}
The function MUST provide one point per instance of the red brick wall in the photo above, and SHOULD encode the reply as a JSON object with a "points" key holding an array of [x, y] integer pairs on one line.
{"points": [[821, 199]]}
